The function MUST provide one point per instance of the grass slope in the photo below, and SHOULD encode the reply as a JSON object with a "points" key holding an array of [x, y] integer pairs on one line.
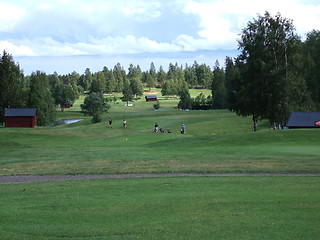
{"points": [[160, 208], [217, 141]]}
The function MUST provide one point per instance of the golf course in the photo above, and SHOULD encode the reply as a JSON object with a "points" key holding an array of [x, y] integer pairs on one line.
{"points": [[250, 206]]}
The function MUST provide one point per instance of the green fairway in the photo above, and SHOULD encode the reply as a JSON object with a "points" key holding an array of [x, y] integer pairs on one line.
{"points": [[163, 208], [217, 141]]}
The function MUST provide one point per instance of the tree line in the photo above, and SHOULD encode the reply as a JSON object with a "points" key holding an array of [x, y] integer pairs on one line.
{"points": [[275, 73]]}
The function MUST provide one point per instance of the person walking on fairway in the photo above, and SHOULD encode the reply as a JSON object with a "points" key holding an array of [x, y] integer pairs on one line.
{"points": [[124, 124], [156, 127], [183, 129], [110, 122]]}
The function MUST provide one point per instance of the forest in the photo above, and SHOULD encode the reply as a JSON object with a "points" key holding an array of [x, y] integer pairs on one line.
{"points": [[276, 73]]}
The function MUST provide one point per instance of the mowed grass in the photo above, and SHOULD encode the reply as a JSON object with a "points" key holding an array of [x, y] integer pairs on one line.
{"points": [[217, 141], [163, 208]]}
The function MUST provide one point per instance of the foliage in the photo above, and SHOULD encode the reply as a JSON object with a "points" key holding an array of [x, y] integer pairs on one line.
{"points": [[110, 80], [202, 102], [80, 89], [232, 82], [219, 91], [114, 99], [269, 49], [204, 75], [12, 85], [94, 105], [120, 77], [152, 78], [156, 105], [98, 82], [185, 99], [136, 87], [39, 97], [161, 76], [63, 94], [86, 80], [190, 76], [169, 88], [54, 80], [127, 92], [311, 60], [149, 80]]}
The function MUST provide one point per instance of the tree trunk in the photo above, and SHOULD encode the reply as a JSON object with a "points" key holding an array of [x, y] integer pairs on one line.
{"points": [[255, 120]]}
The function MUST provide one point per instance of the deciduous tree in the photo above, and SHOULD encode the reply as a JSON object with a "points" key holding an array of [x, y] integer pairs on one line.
{"points": [[40, 97], [269, 48], [185, 98], [63, 94], [94, 105], [311, 60]]}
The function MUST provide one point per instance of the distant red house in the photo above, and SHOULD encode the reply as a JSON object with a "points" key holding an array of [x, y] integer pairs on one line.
{"points": [[67, 105], [151, 98], [20, 117]]}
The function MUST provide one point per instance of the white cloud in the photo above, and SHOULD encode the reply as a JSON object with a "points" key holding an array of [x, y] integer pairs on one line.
{"points": [[16, 50], [9, 17], [223, 20], [109, 45], [45, 6], [142, 10], [70, 27]]}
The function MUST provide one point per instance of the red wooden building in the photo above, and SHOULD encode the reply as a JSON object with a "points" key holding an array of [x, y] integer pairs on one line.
{"points": [[151, 98], [20, 117]]}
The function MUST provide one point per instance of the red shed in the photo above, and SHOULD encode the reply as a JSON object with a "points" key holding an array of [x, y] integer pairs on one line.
{"points": [[151, 98], [20, 117]]}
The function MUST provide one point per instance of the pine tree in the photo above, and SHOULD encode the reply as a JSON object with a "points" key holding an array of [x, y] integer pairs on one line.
{"points": [[219, 91]]}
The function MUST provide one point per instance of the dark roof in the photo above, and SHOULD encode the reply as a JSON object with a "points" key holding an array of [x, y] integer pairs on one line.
{"points": [[303, 119], [151, 96], [20, 112]]}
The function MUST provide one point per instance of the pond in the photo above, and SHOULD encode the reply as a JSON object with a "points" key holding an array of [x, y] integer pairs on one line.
{"points": [[66, 121]]}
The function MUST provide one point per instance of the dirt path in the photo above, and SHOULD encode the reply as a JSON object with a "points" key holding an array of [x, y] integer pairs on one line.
{"points": [[45, 178]]}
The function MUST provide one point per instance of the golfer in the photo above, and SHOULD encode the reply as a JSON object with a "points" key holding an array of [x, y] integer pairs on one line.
{"points": [[183, 129], [110, 122]]}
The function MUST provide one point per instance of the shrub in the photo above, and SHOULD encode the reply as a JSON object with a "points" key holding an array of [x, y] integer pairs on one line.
{"points": [[156, 105]]}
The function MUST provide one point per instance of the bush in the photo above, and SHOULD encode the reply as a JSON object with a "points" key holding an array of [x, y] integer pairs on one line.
{"points": [[156, 105], [94, 105]]}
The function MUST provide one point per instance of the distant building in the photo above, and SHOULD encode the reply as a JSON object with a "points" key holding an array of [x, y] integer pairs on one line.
{"points": [[151, 98], [304, 120], [20, 117], [66, 105]]}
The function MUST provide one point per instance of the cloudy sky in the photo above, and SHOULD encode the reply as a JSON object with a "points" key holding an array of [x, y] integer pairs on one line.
{"points": [[71, 35]]}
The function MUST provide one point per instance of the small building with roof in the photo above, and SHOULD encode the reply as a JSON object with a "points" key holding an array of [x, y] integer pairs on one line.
{"points": [[151, 98], [20, 117], [304, 120]]}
